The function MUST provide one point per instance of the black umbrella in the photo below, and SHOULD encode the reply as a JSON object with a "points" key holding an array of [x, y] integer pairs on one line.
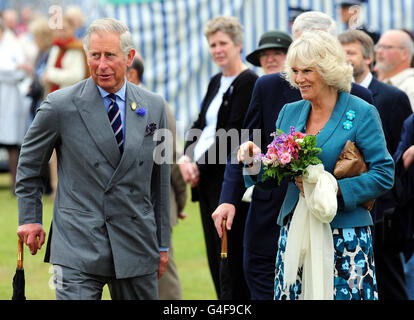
{"points": [[18, 279], [226, 291]]}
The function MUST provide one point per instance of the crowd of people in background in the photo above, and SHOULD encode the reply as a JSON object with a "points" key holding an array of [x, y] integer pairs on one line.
{"points": [[36, 60]]}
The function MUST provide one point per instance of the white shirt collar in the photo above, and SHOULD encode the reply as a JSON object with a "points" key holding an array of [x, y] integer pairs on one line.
{"points": [[367, 81], [120, 93]]}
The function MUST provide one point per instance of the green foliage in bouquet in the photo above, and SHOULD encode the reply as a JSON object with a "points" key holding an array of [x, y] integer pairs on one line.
{"points": [[288, 155]]}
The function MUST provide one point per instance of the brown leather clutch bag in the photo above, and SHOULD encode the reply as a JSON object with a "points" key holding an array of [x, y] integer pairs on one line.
{"points": [[351, 163]]}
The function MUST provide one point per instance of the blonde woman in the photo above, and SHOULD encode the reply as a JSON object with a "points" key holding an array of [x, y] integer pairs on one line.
{"points": [[316, 65], [43, 37]]}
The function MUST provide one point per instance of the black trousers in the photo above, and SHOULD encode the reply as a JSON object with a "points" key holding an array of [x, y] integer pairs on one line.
{"points": [[259, 271], [209, 189], [390, 274], [389, 267]]}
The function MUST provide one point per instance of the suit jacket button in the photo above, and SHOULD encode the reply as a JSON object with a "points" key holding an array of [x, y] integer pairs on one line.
{"points": [[107, 218], [96, 164], [141, 162]]}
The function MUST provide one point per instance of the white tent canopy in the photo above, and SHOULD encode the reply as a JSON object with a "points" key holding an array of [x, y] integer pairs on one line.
{"points": [[169, 36]]}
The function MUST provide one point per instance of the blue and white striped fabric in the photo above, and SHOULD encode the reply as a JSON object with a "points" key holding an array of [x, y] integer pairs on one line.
{"points": [[169, 36]]}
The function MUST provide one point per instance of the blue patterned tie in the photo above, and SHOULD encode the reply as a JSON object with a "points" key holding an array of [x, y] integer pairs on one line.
{"points": [[116, 123]]}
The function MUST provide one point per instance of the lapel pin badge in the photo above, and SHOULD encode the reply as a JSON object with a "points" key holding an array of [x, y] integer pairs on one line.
{"points": [[350, 115], [134, 106]]}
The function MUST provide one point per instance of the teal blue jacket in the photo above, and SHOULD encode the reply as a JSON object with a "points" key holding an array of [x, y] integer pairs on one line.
{"points": [[365, 130]]}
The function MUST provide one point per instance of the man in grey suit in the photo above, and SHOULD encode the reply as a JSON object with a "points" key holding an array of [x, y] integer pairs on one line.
{"points": [[111, 220]]}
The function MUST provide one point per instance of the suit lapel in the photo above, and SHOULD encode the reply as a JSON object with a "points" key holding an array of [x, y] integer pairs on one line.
{"points": [[373, 87], [303, 117], [93, 113], [337, 118]]}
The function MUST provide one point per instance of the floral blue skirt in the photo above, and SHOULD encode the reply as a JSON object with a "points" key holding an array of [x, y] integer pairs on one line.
{"points": [[354, 267]]}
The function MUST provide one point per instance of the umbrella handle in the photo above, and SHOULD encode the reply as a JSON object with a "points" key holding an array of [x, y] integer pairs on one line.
{"points": [[224, 240], [19, 254]]}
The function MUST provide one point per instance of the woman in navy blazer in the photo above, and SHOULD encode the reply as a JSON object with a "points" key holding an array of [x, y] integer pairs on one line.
{"points": [[316, 65]]}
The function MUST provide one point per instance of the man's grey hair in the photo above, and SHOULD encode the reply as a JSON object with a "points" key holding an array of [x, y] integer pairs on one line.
{"points": [[409, 44], [112, 26], [314, 20]]}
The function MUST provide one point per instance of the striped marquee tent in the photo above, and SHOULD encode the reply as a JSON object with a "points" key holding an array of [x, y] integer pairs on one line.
{"points": [[169, 36]]}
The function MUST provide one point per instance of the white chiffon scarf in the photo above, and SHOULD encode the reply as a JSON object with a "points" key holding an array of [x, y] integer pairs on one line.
{"points": [[310, 241]]}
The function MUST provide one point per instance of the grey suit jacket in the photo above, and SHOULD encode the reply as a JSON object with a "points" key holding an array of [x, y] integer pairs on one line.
{"points": [[111, 213]]}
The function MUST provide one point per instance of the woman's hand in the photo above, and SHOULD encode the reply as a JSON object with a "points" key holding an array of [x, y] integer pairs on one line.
{"points": [[299, 184], [189, 171], [247, 151]]}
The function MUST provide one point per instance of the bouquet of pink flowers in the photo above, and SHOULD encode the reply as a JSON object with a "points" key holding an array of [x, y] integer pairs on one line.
{"points": [[288, 155]]}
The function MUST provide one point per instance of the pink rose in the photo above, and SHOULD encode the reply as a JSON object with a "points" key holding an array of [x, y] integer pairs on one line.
{"points": [[285, 158]]}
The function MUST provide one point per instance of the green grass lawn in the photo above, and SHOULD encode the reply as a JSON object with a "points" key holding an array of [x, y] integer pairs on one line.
{"points": [[189, 250]]}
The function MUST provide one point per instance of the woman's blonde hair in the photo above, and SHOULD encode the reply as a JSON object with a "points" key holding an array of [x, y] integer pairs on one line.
{"points": [[40, 27], [322, 51], [228, 25]]}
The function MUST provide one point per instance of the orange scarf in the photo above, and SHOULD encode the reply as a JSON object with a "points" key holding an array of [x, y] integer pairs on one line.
{"points": [[64, 45]]}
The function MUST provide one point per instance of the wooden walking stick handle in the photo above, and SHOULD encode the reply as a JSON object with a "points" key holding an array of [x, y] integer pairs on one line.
{"points": [[20, 246], [19, 254], [224, 239]]}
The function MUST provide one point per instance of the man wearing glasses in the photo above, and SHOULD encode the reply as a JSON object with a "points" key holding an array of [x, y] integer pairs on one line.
{"points": [[394, 53]]}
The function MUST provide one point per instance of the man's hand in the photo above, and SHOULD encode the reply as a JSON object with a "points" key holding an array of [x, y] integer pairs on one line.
{"points": [[224, 211], [182, 215], [28, 234], [408, 157], [163, 263]]}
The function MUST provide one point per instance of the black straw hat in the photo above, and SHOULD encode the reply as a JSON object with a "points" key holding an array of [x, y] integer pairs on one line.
{"points": [[270, 40]]}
